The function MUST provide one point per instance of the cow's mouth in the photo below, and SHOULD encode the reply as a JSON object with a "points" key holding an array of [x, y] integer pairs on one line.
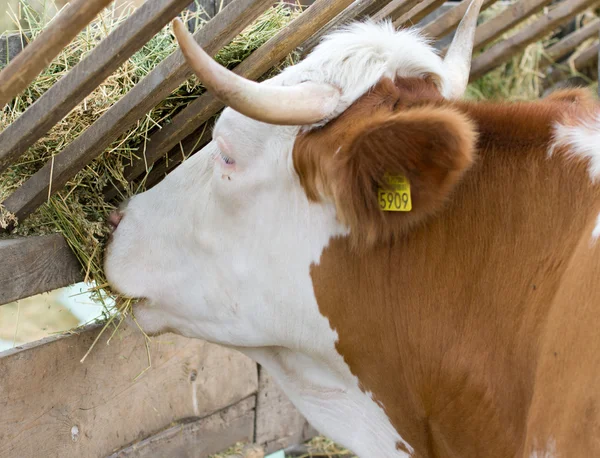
{"points": [[114, 219], [140, 318]]}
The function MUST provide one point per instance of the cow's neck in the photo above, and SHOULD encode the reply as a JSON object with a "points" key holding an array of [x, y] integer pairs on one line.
{"points": [[441, 326]]}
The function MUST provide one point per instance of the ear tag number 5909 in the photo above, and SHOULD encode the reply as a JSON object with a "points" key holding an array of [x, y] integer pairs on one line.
{"points": [[397, 197]]}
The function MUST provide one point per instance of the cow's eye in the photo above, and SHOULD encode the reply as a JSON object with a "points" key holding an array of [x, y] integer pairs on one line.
{"points": [[226, 159], [225, 154]]}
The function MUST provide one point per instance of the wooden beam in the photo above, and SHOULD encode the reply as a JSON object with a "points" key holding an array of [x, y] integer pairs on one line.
{"points": [[157, 85], [34, 265], [561, 76], [19, 73], [448, 21], [503, 51], [200, 438], [51, 401], [417, 13], [373, 7], [254, 66], [557, 51], [63, 96], [506, 20], [395, 9], [587, 57]]}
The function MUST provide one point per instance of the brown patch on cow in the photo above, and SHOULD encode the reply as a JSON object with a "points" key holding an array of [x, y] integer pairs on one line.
{"points": [[442, 325], [431, 146], [346, 161]]}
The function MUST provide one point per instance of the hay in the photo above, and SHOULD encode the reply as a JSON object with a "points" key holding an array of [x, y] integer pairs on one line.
{"points": [[318, 447], [520, 78], [322, 447], [79, 211], [517, 79]]}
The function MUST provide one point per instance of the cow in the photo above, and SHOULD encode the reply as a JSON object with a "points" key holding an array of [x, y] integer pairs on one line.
{"points": [[418, 272]]}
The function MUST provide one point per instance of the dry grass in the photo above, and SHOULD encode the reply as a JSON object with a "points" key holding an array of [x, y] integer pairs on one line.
{"points": [[322, 447], [318, 447]]}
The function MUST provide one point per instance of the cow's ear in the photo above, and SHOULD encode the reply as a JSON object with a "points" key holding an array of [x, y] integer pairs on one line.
{"points": [[431, 147]]}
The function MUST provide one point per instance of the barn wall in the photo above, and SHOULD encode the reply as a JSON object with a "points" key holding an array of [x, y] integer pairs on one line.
{"points": [[194, 399]]}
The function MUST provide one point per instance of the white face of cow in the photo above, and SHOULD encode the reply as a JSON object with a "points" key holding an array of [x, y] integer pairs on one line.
{"points": [[221, 249]]}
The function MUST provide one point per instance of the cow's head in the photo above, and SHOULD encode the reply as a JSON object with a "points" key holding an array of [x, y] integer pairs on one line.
{"points": [[221, 249]]}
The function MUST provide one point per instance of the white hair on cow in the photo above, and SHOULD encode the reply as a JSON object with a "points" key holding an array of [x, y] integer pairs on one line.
{"points": [[356, 57], [582, 140], [548, 452]]}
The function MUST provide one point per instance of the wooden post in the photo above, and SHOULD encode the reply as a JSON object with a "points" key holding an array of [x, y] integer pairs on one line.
{"points": [[169, 74], [19, 73], [199, 438], [503, 51], [278, 423]]}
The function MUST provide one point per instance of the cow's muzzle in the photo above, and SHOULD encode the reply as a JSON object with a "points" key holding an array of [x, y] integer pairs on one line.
{"points": [[114, 219]]}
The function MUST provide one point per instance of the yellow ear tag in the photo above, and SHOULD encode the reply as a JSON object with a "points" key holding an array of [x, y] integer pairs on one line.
{"points": [[397, 197]]}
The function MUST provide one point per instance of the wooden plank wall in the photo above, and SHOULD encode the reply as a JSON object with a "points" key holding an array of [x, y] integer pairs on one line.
{"points": [[196, 399], [33, 265]]}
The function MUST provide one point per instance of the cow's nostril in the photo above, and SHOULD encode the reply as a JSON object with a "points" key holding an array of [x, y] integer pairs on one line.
{"points": [[114, 219]]}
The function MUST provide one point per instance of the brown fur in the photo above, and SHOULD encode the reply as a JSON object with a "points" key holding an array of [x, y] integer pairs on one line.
{"points": [[477, 329], [429, 144]]}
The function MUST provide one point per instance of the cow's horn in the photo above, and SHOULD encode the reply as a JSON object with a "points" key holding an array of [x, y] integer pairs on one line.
{"points": [[459, 55], [302, 104]]}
